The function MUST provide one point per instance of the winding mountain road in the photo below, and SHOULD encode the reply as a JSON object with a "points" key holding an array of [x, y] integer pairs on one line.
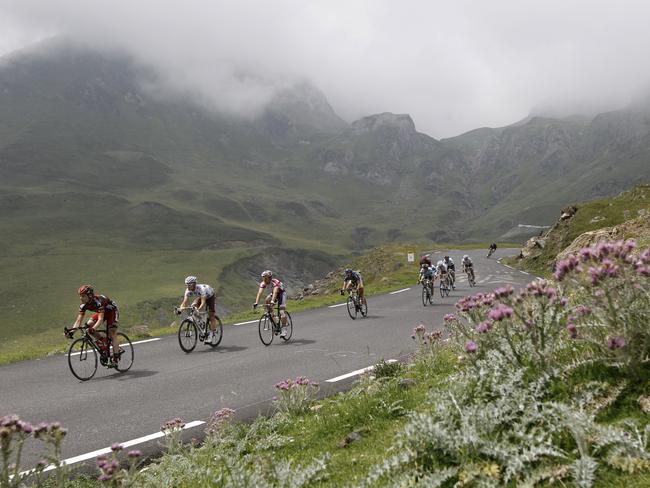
{"points": [[327, 346]]}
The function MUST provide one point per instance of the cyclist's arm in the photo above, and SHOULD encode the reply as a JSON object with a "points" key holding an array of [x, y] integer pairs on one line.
{"points": [[276, 289], [77, 322], [201, 303], [259, 294], [360, 284], [184, 302]]}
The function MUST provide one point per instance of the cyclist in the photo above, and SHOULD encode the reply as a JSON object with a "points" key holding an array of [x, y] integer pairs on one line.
{"points": [[352, 279], [278, 294], [468, 265], [441, 270], [492, 248], [105, 312], [426, 273], [203, 297], [451, 268]]}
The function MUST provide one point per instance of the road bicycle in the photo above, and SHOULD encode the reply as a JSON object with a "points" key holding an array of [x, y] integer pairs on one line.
{"points": [[490, 252], [427, 291], [471, 279], [196, 327], [270, 324], [354, 304], [87, 351], [445, 286]]}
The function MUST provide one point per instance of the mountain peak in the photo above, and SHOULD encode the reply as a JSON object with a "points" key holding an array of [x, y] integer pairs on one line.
{"points": [[403, 123]]}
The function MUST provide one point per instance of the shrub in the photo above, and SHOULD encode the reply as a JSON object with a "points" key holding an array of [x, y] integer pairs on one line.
{"points": [[295, 396]]}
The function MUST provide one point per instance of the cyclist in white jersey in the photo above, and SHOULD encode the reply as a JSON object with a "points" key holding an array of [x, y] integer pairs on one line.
{"points": [[202, 297]]}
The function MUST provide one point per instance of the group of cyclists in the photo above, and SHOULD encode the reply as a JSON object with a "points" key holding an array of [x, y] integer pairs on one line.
{"points": [[202, 297]]}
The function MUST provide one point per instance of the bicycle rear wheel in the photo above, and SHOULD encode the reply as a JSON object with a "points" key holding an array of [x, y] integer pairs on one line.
{"points": [[82, 359], [127, 354], [289, 328], [430, 292], [265, 328], [352, 308], [425, 295], [187, 335], [218, 333]]}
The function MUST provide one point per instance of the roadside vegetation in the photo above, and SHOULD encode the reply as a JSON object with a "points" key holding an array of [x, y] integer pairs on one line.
{"points": [[548, 386]]}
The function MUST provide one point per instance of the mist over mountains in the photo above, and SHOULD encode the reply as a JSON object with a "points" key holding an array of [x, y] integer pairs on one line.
{"points": [[80, 121]]}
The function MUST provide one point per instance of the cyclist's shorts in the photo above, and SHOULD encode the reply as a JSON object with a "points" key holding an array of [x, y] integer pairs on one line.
{"points": [[110, 317], [210, 303], [282, 299]]}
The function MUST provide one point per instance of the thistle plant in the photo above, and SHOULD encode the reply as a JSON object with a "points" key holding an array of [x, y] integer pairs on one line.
{"points": [[173, 430], [111, 471], [295, 396]]}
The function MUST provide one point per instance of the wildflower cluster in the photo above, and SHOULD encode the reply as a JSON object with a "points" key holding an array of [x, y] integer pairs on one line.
{"points": [[173, 430], [111, 470], [295, 396], [13, 434], [610, 284], [428, 343], [218, 420]]}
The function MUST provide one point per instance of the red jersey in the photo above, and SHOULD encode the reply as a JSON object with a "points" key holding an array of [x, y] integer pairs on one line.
{"points": [[99, 303]]}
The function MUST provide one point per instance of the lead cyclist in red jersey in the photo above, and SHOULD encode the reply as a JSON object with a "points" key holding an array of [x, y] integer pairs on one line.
{"points": [[105, 311]]}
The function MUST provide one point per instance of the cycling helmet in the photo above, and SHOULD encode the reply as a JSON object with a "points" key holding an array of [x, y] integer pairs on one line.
{"points": [[348, 271], [446, 258], [190, 279], [465, 257], [86, 290], [266, 273], [441, 263]]}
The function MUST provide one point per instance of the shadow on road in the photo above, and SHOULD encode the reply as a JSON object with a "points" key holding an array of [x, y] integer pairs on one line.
{"points": [[299, 342], [132, 373], [222, 349]]}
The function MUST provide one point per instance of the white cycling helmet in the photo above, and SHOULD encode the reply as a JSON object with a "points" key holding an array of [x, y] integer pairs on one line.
{"points": [[465, 257], [440, 263], [190, 279], [266, 273]]}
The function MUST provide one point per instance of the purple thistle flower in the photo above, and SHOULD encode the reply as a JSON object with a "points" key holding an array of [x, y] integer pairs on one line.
{"points": [[116, 447], [450, 317], [616, 342], [484, 327], [471, 347], [572, 329], [136, 453]]}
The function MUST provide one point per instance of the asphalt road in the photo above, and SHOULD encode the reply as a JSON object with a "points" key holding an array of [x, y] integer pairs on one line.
{"points": [[164, 382]]}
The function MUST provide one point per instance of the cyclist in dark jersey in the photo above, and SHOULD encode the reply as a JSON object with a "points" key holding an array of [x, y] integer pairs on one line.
{"points": [[105, 312], [352, 279]]}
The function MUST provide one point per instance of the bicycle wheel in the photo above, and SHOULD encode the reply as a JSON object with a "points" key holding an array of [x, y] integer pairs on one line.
{"points": [[425, 295], [430, 293], [187, 335], [82, 359], [127, 354], [265, 328], [289, 328], [447, 287], [364, 309], [218, 333], [352, 308]]}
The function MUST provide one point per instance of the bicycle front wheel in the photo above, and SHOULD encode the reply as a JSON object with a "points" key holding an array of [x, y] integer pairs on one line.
{"points": [[352, 308], [127, 354], [430, 291], [187, 335], [82, 359], [288, 327], [265, 328], [218, 333], [425, 295]]}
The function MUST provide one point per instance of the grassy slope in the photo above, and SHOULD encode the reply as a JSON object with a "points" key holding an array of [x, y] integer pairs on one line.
{"points": [[607, 212]]}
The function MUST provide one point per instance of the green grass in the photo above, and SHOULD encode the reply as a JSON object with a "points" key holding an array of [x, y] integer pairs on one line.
{"points": [[590, 216]]}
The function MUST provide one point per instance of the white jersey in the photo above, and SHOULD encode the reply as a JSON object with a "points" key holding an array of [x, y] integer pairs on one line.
{"points": [[467, 262], [200, 291]]}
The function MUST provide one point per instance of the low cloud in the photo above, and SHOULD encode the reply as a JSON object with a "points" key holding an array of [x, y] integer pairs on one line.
{"points": [[453, 66]]}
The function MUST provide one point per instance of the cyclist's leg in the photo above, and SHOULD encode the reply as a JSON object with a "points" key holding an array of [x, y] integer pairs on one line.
{"points": [[282, 301], [210, 304], [111, 331], [362, 295], [92, 323]]}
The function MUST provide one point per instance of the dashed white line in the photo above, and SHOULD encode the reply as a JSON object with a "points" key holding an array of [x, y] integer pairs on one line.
{"points": [[337, 305], [133, 343], [509, 267], [247, 322], [107, 450], [399, 291], [355, 373]]}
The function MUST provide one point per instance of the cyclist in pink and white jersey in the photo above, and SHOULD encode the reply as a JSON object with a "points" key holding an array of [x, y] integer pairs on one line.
{"points": [[278, 294]]}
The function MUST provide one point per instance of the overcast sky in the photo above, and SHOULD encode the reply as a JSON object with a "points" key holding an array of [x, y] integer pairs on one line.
{"points": [[453, 65]]}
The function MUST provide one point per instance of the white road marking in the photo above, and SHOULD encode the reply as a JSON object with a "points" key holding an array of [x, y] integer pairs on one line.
{"points": [[355, 373], [107, 450], [248, 322], [133, 343], [398, 291], [337, 305], [524, 272], [508, 266]]}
